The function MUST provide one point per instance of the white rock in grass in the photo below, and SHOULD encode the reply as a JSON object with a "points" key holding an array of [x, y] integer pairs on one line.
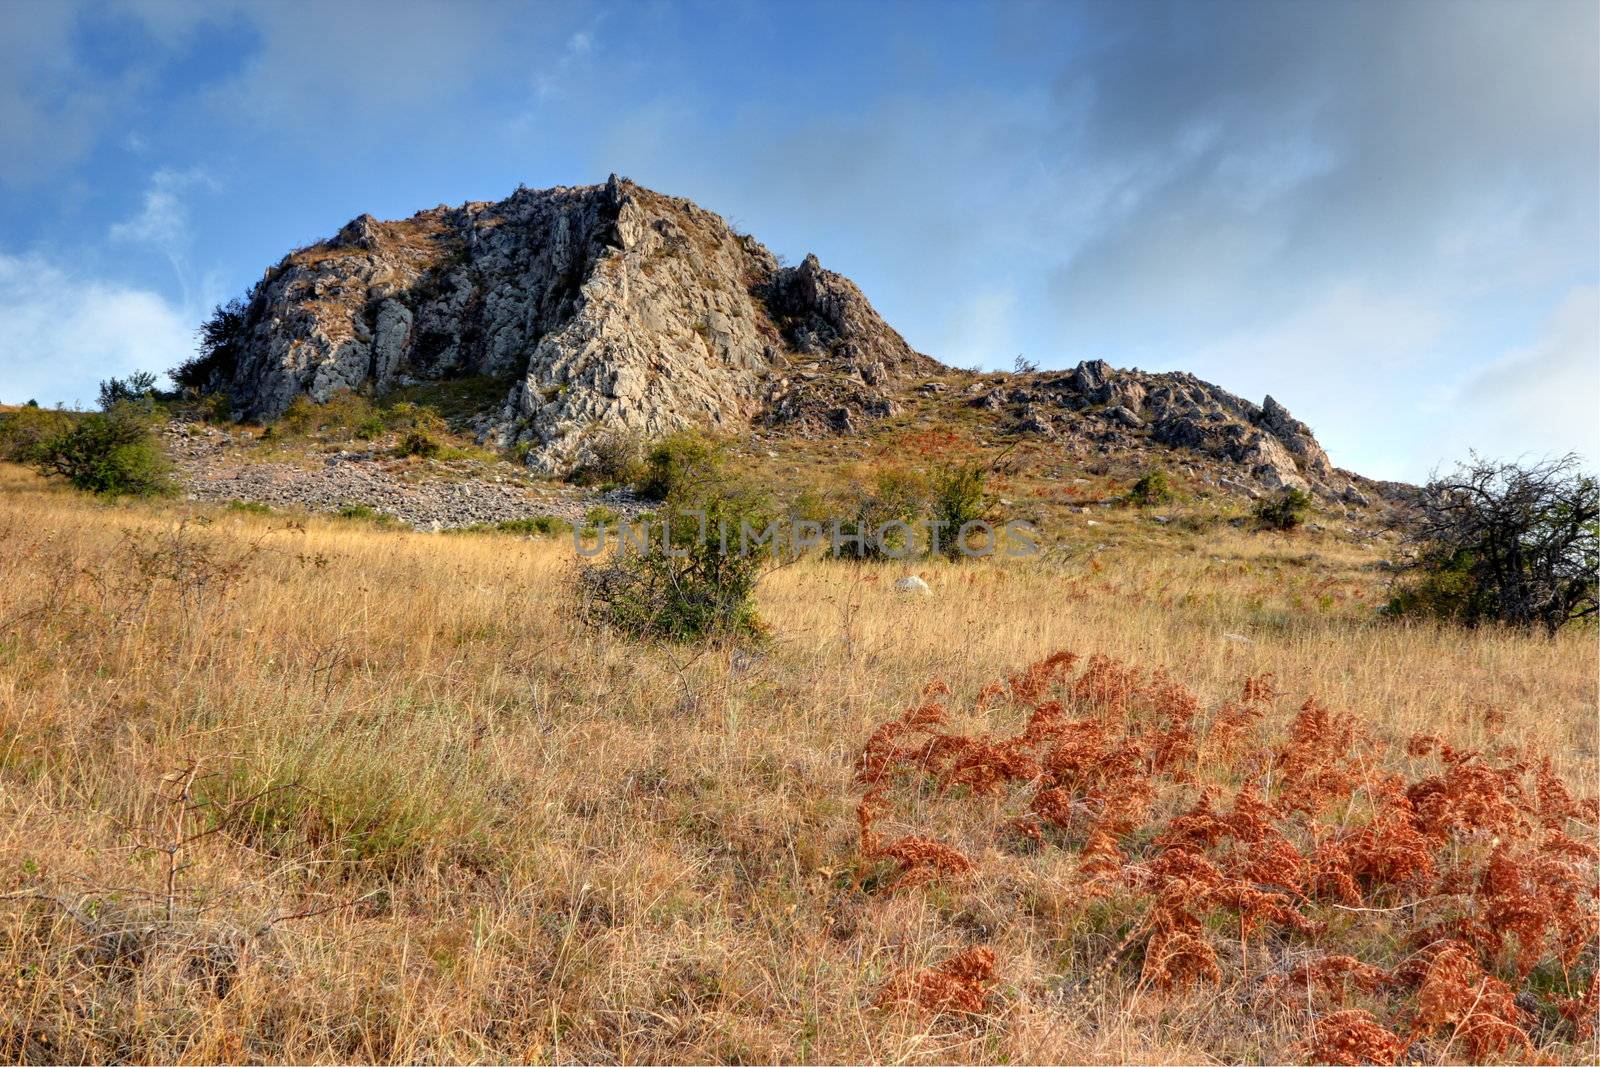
{"points": [[912, 584]]}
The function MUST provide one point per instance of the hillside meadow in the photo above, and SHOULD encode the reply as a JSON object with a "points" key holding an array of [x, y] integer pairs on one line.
{"points": [[278, 788]]}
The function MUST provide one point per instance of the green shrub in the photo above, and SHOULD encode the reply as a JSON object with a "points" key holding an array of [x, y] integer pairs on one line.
{"points": [[370, 428], [113, 453], [249, 507], [418, 443], [1152, 488], [408, 416], [540, 525], [617, 458], [340, 413], [695, 580], [1516, 544], [363, 513], [1286, 511], [25, 432], [958, 498], [896, 496], [683, 464], [600, 515], [138, 386]]}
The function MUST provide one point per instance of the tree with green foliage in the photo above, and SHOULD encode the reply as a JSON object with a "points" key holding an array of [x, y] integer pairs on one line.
{"points": [[685, 462], [1285, 511], [138, 387], [958, 498], [218, 345], [112, 453], [695, 579], [25, 433], [881, 515], [1512, 543], [1152, 488]]}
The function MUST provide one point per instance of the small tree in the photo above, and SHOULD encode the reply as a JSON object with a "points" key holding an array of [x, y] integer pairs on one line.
{"points": [[218, 344], [111, 452], [1286, 511], [896, 496], [1504, 542], [958, 498], [696, 578], [139, 386], [1152, 488], [25, 434], [681, 463]]}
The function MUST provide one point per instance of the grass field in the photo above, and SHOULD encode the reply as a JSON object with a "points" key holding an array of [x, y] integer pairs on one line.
{"points": [[311, 790]]}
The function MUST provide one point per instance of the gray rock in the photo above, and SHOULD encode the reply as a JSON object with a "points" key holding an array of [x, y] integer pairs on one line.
{"points": [[611, 307], [912, 584]]}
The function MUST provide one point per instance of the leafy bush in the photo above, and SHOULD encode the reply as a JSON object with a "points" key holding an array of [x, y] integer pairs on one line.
{"points": [[958, 498], [1502, 542], [540, 525], [897, 496], [249, 507], [417, 443], [695, 578], [363, 513], [1152, 488], [408, 416], [680, 465], [371, 427], [24, 433], [600, 515], [1286, 511], [114, 453], [616, 458], [140, 386]]}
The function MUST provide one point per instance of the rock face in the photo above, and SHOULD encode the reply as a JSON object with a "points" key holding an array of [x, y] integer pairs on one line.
{"points": [[605, 309], [611, 309], [1277, 450]]}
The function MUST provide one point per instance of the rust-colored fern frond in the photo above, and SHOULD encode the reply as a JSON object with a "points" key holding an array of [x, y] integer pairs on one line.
{"points": [[958, 985], [1349, 1038]]}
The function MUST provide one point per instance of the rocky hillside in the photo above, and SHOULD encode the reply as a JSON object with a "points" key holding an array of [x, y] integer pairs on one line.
{"points": [[608, 308], [614, 309]]}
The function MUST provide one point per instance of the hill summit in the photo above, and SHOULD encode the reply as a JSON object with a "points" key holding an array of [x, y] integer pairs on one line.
{"points": [[612, 308]]}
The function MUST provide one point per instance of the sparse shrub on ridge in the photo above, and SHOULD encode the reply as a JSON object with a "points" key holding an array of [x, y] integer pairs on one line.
{"points": [[1502, 542]]}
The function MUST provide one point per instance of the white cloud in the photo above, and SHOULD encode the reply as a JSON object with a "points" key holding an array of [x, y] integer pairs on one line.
{"points": [[1543, 397], [60, 335], [980, 331], [1341, 362], [163, 221]]}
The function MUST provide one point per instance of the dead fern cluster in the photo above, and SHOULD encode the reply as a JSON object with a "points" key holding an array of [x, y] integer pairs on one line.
{"points": [[1477, 867], [958, 985]]}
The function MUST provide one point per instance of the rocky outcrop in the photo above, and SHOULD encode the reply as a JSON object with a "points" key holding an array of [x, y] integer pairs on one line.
{"points": [[1277, 450], [606, 308]]}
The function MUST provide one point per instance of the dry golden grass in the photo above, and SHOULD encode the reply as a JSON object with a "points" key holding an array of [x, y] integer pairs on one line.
{"points": [[449, 826]]}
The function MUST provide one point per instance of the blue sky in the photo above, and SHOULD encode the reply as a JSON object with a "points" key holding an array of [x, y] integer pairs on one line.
{"points": [[1385, 215]]}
